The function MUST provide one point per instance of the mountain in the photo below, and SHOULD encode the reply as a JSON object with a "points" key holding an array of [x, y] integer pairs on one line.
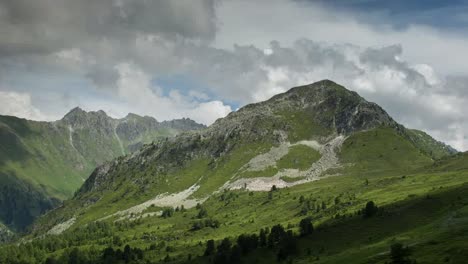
{"points": [[42, 163], [318, 116], [248, 188]]}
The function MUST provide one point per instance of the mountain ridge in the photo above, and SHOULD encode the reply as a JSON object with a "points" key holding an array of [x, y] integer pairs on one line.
{"points": [[54, 158]]}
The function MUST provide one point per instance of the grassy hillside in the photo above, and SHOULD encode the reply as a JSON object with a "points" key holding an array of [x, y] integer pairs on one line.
{"points": [[382, 150], [428, 145], [53, 159], [453, 163], [415, 206]]}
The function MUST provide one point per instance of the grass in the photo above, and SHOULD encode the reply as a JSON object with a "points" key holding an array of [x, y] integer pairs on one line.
{"points": [[412, 217], [299, 157], [302, 126], [379, 165], [226, 167], [382, 151]]}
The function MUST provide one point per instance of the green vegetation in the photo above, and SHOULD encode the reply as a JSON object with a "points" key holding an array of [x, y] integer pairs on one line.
{"points": [[455, 162], [382, 150], [299, 157], [227, 166], [428, 145], [301, 125], [42, 163], [409, 216], [333, 204]]}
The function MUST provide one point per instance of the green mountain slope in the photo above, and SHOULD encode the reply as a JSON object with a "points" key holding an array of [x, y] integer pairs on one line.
{"points": [[427, 144], [52, 159], [317, 151], [458, 162], [252, 142]]}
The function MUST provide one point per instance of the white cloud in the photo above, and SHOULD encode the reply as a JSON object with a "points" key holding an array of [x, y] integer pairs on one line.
{"points": [[19, 104], [208, 112], [134, 87]]}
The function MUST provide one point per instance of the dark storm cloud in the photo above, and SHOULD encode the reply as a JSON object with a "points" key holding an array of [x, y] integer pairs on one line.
{"points": [[48, 25], [105, 30]]}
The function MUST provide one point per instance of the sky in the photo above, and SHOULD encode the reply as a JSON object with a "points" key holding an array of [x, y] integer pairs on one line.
{"points": [[203, 59]]}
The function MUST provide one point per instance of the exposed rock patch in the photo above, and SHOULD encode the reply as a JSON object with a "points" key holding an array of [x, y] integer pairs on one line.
{"points": [[163, 200], [328, 160], [60, 228]]}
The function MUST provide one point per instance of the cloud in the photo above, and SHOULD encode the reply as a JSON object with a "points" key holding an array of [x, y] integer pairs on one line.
{"points": [[286, 21], [44, 26], [19, 104], [134, 88]]}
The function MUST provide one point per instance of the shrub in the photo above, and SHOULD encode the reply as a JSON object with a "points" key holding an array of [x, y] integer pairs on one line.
{"points": [[400, 254], [370, 209], [306, 227]]}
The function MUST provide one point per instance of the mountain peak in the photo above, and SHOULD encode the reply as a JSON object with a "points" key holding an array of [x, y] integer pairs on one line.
{"points": [[75, 111], [78, 117], [132, 115], [327, 87], [79, 112], [324, 103]]}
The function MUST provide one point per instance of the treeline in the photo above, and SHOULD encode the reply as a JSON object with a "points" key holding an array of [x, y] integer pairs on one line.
{"points": [[277, 239], [76, 255], [107, 247], [107, 256], [36, 251]]}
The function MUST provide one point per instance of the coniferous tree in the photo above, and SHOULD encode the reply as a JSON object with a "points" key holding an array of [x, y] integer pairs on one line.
{"points": [[306, 227], [370, 209], [210, 247], [263, 238], [400, 254]]}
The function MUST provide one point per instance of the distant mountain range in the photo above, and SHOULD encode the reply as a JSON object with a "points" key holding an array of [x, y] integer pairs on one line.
{"points": [[42, 163]]}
